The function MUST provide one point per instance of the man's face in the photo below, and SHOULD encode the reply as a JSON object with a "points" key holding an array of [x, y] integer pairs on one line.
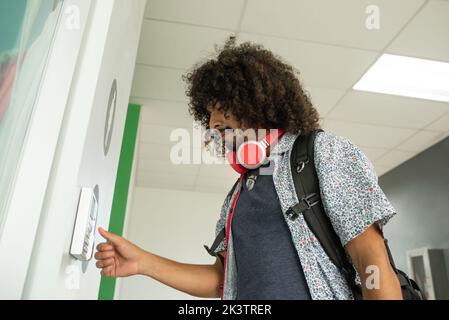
{"points": [[231, 131]]}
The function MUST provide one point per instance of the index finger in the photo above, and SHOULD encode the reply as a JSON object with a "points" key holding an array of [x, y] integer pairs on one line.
{"points": [[104, 246]]}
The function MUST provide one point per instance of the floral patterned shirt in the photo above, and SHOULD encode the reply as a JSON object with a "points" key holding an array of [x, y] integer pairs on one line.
{"points": [[351, 198]]}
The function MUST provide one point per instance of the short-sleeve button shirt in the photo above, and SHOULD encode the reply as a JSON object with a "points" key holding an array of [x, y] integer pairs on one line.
{"points": [[351, 198]]}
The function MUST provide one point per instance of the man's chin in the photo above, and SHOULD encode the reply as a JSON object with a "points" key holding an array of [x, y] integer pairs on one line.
{"points": [[233, 144]]}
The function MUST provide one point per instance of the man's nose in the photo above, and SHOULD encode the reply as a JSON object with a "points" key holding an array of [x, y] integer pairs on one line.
{"points": [[215, 121]]}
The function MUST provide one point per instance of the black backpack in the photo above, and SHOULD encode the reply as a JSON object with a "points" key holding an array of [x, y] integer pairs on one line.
{"points": [[311, 207]]}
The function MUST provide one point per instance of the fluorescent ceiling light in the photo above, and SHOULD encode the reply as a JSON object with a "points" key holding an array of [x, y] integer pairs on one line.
{"points": [[406, 76]]}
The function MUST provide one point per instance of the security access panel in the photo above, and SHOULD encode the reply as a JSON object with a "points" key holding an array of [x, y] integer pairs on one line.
{"points": [[83, 238]]}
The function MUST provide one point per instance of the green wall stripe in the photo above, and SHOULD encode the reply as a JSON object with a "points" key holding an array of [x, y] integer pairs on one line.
{"points": [[118, 211]]}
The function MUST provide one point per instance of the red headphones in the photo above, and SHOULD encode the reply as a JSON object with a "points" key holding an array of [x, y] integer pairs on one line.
{"points": [[253, 154]]}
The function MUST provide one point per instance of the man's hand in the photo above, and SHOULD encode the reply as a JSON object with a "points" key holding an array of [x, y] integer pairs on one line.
{"points": [[370, 258], [118, 257]]}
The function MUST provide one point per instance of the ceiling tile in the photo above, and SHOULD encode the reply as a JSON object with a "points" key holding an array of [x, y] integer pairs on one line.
{"points": [[319, 65], [388, 110], [176, 45], [427, 34], [373, 153], [154, 145], [381, 170], [154, 133], [445, 134], [153, 151], [215, 13], [167, 167], [368, 135], [158, 83], [441, 124], [165, 181], [166, 113], [334, 22], [394, 158], [213, 166], [324, 99], [421, 141]]}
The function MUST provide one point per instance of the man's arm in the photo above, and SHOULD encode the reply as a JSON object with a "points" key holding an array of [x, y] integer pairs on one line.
{"points": [[370, 258], [197, 280], [119, 257]]}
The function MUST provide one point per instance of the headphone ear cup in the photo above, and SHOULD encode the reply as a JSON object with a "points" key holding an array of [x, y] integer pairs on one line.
{"points": [[251, 154], [232, 158]]}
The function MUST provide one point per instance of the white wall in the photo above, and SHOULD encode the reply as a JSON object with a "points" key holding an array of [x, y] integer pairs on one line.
{"points": [[108, 52], [43, 85], [173, 224]]}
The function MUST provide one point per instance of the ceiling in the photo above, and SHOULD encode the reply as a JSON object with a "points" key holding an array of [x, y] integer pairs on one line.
{"points": [[326, 40]]}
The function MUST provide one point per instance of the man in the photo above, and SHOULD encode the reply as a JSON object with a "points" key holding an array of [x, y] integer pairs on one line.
{"points": [[267, 255]]}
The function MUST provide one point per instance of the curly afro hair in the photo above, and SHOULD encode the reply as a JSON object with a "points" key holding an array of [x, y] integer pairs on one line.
{"points": [[254, 85]]}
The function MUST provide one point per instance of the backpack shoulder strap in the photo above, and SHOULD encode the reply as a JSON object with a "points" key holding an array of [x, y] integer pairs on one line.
{"points": [[311, 207], [222, 234]]}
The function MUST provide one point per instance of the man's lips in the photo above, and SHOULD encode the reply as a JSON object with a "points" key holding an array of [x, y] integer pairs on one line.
{"points": [[223, 132]]}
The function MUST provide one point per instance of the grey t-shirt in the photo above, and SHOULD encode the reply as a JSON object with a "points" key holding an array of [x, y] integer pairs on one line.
{"points": [[268, 266]]}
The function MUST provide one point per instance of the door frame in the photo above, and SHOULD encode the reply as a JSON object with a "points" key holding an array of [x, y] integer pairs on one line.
{"points": [[123, 191]]}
